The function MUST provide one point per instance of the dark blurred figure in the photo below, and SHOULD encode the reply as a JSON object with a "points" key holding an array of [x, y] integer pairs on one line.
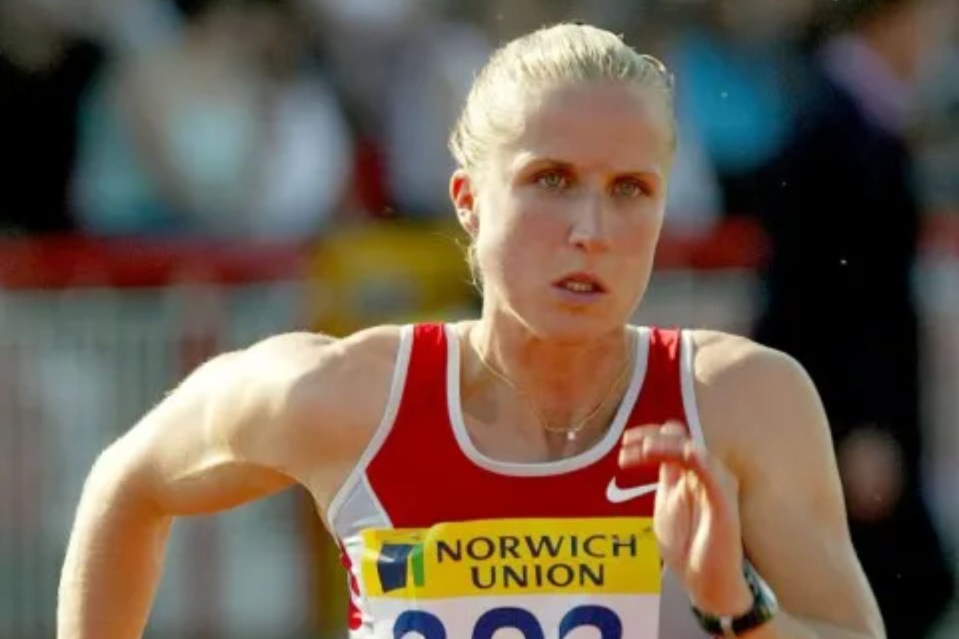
{"points": [[43, 72], [843, 218]]}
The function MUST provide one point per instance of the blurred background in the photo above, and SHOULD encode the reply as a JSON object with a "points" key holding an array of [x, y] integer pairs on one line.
{"points": [[180, 177]]}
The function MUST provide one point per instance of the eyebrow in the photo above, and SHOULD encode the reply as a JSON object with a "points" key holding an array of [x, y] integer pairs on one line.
{"points": [[525, 161]]}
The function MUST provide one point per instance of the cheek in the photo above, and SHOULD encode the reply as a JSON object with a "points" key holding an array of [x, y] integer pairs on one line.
{"points": [[522, 227], [639, 233]]}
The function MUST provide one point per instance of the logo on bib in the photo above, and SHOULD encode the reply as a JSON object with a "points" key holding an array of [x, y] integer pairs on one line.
{"points": [[397, 562]]}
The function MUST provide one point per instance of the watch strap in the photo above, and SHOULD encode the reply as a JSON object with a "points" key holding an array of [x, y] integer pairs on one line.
{"points": [[764, 608]]}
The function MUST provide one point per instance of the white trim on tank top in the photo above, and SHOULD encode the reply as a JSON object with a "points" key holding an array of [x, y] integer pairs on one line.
{"points": [[532, 469], [688, 376], [358, 474]]}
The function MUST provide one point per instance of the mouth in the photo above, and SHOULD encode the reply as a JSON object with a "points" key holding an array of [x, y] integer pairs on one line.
{"points": [[581, 284]]}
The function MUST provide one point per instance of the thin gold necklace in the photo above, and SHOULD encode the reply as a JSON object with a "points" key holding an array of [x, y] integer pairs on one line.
{"points": [[571, 431]]}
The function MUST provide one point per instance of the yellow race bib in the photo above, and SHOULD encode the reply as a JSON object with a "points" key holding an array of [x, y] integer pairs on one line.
{"points": [[539, 577]]}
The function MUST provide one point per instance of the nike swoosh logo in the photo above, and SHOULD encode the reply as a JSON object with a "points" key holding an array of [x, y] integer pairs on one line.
{"points": [[617, 495]]}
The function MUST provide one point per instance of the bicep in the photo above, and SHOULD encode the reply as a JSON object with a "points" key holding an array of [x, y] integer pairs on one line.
{"points": [[250, 423], [793, 517], [181, 456], [795, 535]]}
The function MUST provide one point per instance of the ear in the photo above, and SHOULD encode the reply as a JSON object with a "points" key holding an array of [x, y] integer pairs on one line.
{"points": [[463, 194]]}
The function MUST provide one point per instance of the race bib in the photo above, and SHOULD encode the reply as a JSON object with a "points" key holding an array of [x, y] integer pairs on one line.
{"points": [[524, 578]]}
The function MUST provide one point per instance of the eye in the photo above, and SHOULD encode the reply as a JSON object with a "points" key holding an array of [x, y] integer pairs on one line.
{"points": [[630, 188], [553, 180]]}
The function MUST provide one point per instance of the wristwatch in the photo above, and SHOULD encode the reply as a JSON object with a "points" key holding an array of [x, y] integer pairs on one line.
{"points": [[764, 608]]}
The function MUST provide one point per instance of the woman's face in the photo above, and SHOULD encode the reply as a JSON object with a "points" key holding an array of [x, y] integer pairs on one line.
{"points": [[566, 215]]}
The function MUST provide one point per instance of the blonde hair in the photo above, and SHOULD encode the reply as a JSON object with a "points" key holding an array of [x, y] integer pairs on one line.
{"points": [[551, 56]]}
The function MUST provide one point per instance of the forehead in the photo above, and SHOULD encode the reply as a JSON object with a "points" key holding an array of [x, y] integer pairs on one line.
{"points": [[603, 126]]}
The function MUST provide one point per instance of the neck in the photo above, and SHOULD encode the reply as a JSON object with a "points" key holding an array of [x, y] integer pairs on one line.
{"points": [[565, 382]]}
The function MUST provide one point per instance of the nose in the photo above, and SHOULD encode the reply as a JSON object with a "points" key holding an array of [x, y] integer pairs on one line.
{"points": [[588, 231]]}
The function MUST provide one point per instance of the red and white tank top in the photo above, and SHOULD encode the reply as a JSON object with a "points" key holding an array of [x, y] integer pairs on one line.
{"points": [[442, 541]]}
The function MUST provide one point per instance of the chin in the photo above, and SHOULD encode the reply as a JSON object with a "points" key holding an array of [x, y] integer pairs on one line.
{"points": [[572, 328]]}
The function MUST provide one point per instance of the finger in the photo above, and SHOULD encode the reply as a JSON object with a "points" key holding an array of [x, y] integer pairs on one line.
{"points": [[638, 433], [666, 448], [673, 427], [685, 455], [646, 449], [669, 475]]}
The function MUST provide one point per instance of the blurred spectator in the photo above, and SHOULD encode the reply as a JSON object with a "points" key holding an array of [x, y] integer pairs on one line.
{"points": [[735, 69], [363, 39], [695, 201], [503, 20], [432, 76], [228, 131], [937, 136], [128, 27], [306, 176], [43, 71], [843, 223]]}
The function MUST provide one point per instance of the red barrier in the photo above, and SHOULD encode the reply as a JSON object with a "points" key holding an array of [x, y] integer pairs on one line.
{"points": [[78, 262]]}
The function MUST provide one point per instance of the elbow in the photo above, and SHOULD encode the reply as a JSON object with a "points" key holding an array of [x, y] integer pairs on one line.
{"points": [[117, 483]]}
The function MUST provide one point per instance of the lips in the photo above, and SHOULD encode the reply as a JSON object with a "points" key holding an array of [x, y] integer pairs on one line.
{"points": [[583, 283]]}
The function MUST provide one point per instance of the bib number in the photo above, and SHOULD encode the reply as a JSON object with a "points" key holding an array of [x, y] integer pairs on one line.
{"points": [[429, 626]]}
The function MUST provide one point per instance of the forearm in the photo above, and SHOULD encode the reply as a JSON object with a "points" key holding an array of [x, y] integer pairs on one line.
{"points": [[113, 564]]}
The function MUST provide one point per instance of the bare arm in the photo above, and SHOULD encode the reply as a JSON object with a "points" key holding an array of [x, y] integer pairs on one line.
{"points": [[241, 427], [771, 431]]}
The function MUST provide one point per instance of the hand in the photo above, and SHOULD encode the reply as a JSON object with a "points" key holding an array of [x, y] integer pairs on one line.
{"points": [[870, 462], [696, 517]]}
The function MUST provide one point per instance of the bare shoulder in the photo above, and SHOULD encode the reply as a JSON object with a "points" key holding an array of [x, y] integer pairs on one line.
{"points": [[739, 363], [313, 365], [752, 398], [328, 393]]}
